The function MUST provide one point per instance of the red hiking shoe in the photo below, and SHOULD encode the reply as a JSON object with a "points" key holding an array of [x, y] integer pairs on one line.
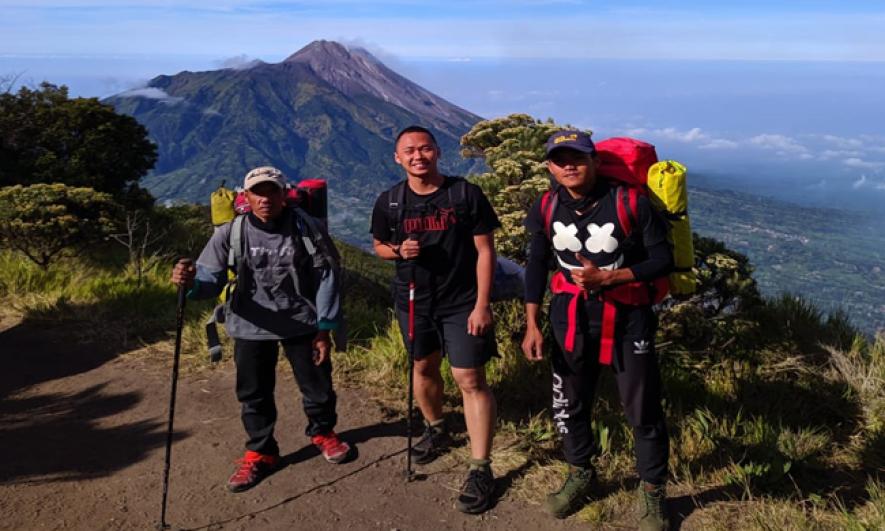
{"points": [[333, 449], [251, 469]]}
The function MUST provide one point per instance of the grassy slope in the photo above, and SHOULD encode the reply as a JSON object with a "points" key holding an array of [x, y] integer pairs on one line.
{"points": [[794, 441]]}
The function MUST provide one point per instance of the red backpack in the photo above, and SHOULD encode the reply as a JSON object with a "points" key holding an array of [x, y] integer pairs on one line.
{"points": [[309, 195], [625, 163]]}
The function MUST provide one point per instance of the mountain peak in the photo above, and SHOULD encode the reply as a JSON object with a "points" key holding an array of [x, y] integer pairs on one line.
{"points": [[355, 71], [319, 50]]}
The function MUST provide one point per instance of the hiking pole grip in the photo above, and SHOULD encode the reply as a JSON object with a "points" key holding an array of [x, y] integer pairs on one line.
{"points": [[179, 326]]}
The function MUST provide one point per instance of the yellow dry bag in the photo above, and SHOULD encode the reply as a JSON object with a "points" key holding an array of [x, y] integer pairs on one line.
{"points": [[221, 203], [669, 193]]}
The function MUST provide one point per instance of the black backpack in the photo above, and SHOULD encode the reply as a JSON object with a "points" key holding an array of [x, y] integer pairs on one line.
{"points": [[509, 281]]}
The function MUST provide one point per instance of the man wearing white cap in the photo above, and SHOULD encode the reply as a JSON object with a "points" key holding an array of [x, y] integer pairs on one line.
{"points": [[286, 294]]}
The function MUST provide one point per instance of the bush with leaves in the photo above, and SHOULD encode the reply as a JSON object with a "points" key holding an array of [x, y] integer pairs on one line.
{"points": [[45, 136], [513, 147], [44, 221]]}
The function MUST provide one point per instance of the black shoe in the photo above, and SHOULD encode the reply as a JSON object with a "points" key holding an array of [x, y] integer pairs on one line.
{"points": [[476, 492], [433, 442]]}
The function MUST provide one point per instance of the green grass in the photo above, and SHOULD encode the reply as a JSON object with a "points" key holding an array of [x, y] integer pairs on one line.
{"points": [[782, 429]]}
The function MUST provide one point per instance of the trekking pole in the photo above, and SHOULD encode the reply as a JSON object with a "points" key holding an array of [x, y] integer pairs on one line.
{"points": [[179, 325], [409, 473]]}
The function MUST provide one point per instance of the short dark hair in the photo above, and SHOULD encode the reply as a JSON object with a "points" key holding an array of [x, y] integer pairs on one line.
{"points": [[415, 129]]}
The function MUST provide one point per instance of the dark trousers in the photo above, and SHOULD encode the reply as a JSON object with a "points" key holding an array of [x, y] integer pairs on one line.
{"points": [[635, 366], [256, 379]]}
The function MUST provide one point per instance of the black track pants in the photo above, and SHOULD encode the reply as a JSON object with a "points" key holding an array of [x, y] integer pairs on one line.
{"points": [[256, 378], [635, 365]]}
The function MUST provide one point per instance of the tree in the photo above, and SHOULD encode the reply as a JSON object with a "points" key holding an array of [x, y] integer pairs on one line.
{"points": [[43, 221], [513, 147], [47, 137]]}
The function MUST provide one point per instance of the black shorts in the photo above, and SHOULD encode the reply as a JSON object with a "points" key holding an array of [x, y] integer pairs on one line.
{"points": [[449, 332]]}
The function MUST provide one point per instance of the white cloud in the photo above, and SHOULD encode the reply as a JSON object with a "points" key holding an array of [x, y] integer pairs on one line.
{"points": [[720, 143], [829, 154], [860, 182], [855, 162], [782, 145], [843, 142], [691, 136], [239, 62], [151, 93]]}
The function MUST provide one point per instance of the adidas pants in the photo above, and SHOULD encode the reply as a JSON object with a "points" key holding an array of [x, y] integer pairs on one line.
{"points": [[256, 378], [635, 366]]}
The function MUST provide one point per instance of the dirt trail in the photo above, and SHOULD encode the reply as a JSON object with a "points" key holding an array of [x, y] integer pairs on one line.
{"points": [[82, 434]]}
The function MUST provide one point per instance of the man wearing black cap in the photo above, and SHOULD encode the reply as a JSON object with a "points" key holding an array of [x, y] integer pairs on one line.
{"points": [[287, 293], [577, 225]]}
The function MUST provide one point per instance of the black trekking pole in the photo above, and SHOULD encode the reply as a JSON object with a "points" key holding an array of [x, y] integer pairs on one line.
{"points": [[409, 472], [179, 325]]}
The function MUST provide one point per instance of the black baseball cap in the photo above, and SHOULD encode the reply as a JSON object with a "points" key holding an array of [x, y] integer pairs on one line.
{"points": [[571, 139]]}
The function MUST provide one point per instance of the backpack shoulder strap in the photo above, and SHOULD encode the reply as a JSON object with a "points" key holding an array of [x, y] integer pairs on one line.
{"points": [[626, 201], [396, 208], [457, 193], [315, 239], [549, 202], [235, 240]]}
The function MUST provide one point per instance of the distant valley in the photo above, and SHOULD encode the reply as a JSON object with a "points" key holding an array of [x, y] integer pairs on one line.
{"points": [[832, 257]]}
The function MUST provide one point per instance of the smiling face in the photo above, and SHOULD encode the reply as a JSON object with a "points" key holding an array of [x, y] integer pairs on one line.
{"points": [[573, 170], [418, 154], [266, 200]]}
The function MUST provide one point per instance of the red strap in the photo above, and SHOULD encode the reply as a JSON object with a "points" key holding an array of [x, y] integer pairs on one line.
{"points": [[623, 215], [548, 205], [607, 345], [558, 284], [633, 196]]}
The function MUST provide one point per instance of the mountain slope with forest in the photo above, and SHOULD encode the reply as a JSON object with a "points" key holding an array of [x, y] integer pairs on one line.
{"points": [[325, 112]]}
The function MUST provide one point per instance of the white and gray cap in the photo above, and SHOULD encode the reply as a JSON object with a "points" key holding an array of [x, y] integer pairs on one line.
{"points": [[264, 174]]}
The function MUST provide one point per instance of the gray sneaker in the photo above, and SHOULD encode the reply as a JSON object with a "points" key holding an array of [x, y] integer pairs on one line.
{"points": [[653, 508], [573, 494], [433, 442]]}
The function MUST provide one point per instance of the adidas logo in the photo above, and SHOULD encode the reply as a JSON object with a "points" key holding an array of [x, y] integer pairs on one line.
{"points": [[640, 347]]}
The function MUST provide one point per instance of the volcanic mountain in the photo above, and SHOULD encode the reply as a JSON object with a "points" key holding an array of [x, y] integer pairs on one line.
{"points": [[327, 111]]}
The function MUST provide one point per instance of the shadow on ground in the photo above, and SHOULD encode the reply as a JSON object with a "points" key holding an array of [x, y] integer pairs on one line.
{"points": [[64, 434]]}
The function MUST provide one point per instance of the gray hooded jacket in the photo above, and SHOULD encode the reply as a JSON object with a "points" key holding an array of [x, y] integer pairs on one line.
{"points": [[281, 290]]}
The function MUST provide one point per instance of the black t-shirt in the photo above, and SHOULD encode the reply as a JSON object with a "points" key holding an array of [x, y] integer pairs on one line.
{"points": [[596, 233], [445, 271]]}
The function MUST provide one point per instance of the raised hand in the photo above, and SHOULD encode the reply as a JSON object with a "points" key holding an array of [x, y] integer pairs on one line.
{"points": [[589, 276]]}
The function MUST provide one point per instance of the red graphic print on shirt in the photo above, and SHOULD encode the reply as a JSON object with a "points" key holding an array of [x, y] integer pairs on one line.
{"points": [[440, 221]]}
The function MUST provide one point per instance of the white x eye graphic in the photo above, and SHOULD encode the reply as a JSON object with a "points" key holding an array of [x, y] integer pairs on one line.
{"points": [[601, 238], [564, 237]]}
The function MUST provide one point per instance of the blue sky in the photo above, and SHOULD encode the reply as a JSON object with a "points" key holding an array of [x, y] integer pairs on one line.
{"points": [[798, 30], [778, 97]]}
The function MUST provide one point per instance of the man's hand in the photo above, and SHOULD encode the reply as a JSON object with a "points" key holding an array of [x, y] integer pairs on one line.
{"points": [[183, 273], [589, 277], [322, 346], [410, 249], [533, 343], [479, 321]]}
